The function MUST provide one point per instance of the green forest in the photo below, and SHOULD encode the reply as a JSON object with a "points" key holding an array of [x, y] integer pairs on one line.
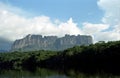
{"points": [[101, 56]]}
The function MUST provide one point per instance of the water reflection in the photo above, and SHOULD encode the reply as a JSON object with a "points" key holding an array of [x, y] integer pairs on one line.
{"points": [[46, 73], [39, 73]]}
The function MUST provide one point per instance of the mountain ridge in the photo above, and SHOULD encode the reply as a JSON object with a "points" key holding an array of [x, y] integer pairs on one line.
{"points": [[39, 42]]}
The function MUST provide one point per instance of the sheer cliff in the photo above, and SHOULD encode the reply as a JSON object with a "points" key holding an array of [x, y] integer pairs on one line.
{"points": [[38, 42]]}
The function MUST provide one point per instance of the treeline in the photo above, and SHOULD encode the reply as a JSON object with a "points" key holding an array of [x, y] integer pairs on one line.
{"points": [[29, 60], [95, 57]]}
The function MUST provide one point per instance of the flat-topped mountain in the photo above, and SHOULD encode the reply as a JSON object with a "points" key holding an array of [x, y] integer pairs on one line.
{"points": [[38, 42]]}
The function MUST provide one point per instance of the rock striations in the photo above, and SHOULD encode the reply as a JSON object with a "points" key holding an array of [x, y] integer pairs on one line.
{"points": [[37, 42]]}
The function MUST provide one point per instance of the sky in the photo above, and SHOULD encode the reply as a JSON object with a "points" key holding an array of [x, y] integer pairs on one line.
{"points": [[98, 18]]}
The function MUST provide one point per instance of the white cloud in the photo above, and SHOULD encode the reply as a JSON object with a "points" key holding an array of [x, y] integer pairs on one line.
{"points": [[100, 32], [14, 26], [89, 28], [70, 28], [107, 36], [112, 17], [112, 11], [110, 28]]}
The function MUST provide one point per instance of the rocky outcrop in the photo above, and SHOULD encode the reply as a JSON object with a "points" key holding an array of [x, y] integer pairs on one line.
{"points": [[37, 42]]}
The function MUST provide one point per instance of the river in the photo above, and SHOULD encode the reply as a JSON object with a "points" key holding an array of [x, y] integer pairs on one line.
{"points": [[47, 73]]}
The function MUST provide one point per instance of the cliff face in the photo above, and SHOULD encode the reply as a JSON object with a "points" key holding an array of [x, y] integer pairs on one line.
{"points": [[37, 42]]}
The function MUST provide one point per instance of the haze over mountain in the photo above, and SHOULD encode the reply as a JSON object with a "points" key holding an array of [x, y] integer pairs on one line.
{"points": [[5, 45]]}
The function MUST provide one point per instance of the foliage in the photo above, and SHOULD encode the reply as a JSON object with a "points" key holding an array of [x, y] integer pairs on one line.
{"points": [[98, 56]]}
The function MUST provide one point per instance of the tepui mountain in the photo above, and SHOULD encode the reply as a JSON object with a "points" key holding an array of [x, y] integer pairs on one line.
{"points": [[54, 43]]}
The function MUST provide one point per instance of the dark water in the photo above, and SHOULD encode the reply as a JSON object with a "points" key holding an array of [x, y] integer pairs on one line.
{"points": [[46, 73]]}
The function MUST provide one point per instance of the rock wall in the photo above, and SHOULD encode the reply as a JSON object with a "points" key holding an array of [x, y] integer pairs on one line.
{"points": [[37, 42]]}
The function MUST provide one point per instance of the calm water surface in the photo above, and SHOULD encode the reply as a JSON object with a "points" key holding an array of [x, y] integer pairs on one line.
{"points": [[46, 73]]}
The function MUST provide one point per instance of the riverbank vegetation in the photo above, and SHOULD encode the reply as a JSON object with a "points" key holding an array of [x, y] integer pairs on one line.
{"points": [[95, 57]]}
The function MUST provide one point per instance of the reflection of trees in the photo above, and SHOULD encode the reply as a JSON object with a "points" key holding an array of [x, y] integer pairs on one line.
{"points": [[39, 72]]}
